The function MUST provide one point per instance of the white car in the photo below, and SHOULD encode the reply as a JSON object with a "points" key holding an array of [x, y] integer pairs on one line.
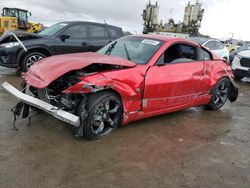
{"points": [[241, 65], [214, 45]]}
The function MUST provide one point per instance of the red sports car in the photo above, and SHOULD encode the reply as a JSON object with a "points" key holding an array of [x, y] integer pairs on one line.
{"points": [[132, 78]]}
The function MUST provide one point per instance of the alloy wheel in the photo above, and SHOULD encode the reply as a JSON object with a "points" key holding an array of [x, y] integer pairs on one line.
{"points": [[221, 94], [105, 117], [32, 59]]}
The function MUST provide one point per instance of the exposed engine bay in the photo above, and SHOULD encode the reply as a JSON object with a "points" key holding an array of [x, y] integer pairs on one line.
{"points": [[53, 94]]}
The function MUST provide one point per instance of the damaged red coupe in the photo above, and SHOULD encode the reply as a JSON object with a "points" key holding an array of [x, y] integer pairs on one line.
{"points": [[132, 78]]}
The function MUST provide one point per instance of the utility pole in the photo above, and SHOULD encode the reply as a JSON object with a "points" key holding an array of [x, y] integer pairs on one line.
{"points": [[232, 36]]}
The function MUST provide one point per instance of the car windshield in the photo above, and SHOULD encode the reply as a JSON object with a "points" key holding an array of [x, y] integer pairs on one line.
{"points": [[52, 30], [137, 49], [199, 40]]}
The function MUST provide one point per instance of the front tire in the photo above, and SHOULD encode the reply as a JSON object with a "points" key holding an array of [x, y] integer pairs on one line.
{"points": [[30, 59], [220, 95], [104, 115]]}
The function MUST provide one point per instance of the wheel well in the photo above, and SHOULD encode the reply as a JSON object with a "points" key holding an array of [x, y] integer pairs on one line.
{"points": [[107, 90], [41, 50]]}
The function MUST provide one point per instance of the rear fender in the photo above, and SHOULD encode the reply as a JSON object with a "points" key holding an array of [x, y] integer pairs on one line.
{"points": [[219, 70], [215, 71]]}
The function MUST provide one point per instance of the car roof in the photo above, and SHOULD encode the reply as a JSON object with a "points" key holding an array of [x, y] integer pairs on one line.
{"points": [[167, 38], [78, 22]]}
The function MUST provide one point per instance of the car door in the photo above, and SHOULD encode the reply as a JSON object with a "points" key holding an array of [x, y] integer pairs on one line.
{"points": [[99, 36], [175, 81], [74, 39]]}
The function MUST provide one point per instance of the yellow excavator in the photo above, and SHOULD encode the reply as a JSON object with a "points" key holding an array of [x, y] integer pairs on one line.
{"points": [[17, 19]]}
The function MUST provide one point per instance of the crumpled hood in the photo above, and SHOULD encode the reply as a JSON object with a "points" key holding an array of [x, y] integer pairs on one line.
{"points": [[42, 73]]}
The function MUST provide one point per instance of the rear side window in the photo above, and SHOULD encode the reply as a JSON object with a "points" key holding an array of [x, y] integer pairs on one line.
{"points": [[76, 32], [97, 31], [205, 55]]}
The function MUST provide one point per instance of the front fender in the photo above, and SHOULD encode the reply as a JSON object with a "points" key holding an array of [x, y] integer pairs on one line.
{"points": [[130, 94], [21, 53]]}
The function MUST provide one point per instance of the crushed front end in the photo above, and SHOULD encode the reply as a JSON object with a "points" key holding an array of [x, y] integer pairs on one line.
{"points": [[55, 97]]}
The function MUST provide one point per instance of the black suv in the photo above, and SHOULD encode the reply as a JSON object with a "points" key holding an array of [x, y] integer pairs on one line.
{"points": [[61, 38]]}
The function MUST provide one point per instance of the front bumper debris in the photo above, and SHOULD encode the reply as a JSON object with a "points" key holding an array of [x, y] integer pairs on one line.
{"points": [[35, 102]]}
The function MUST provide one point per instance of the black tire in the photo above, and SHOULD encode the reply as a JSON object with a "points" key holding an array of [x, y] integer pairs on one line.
{"points": [[104, 115], [30, 59], [238, 77], [220, 95]]}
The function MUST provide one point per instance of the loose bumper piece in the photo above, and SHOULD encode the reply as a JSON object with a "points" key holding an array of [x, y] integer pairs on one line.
{"points": [[53, 110]]}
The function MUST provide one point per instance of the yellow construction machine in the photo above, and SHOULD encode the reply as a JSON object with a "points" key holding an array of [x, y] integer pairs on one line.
{"points": [[17, 19]]}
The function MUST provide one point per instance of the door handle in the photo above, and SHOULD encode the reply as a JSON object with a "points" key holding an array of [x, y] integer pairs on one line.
{"points": [[84, 44]]}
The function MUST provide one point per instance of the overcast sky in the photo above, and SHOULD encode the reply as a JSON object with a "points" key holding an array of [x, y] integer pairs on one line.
{"points": [[221, 17]]}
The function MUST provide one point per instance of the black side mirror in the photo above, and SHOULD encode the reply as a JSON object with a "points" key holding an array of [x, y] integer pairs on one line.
{"points": [[64, 37], [30, 13]]}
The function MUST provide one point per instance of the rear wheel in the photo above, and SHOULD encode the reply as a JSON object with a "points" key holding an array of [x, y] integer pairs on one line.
{"points": [[30, 59], [219, 94], [104, 115]]}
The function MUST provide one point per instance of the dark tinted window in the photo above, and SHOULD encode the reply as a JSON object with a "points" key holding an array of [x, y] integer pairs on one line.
{"points": [[187, 51], [113, 32], [76, 32], [97, 31]]}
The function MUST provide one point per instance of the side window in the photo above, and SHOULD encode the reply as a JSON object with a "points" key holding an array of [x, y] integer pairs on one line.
{"points": [[205, 55], [113, 32], [179, 53], [76, 32], [97, 31]]}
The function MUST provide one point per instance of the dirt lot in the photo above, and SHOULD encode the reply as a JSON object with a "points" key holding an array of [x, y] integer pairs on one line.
{"points": [[191, 148]]}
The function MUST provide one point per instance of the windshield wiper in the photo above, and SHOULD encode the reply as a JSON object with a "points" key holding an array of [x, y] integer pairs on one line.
{"points": [[110, 48], [126, 50]]}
